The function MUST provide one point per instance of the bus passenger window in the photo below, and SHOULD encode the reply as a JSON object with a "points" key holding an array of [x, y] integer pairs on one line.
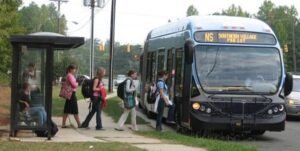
{"points": [[161, 60], [149, 68], [179, 73], [153, 67]]}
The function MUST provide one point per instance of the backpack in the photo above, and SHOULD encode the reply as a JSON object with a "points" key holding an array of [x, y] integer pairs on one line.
{"points": [[153, 92], [44, 133], [121, 89], [87, 88]]}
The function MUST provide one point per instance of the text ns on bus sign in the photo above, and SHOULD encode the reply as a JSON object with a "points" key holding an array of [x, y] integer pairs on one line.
{"points": [[235, 37]]}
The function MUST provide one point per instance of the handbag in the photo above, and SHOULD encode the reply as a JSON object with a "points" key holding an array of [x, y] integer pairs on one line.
{"points": [[129, 101], [66, 91]]}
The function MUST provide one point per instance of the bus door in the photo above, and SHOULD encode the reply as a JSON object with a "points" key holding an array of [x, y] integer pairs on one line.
{"points": [[171, 70], [182, 112]]}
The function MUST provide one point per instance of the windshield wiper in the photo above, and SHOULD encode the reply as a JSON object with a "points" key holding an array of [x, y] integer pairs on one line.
{"points": [[214, 65]]}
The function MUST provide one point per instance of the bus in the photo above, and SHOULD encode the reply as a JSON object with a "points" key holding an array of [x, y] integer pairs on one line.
{"points": [[226, 73]]}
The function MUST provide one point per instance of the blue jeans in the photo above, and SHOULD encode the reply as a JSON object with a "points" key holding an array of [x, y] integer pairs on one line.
{"points": [[160, 112], [40, 113], [96, 108]]}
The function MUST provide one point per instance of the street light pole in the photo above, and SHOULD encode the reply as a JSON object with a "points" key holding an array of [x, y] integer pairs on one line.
{"points": [[92, 39], [93, 4], [112, 44], [58, 15], [294, 47]]}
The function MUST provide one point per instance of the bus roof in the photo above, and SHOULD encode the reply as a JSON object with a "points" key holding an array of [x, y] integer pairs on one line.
{"points": [[204, 23]]}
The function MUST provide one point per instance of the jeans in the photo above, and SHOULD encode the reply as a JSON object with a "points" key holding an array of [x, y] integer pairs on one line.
{"points": [[40, 113], [160, 113], [96, 108]]}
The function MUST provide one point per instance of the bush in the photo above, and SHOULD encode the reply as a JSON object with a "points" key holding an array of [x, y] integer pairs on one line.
{"points": [[4, 79]]}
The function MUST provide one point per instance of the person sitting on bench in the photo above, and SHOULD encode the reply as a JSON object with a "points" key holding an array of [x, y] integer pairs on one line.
{"points": [[25, 106]]}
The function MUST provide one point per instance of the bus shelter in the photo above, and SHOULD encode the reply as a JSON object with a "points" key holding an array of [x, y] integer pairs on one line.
{"points": [[32, 78]]}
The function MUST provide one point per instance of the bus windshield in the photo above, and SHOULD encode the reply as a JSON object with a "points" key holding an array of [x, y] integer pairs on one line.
{"points": [[238, 70]]}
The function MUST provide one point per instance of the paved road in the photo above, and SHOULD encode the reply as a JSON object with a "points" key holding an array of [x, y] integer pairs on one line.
{"points": [[288, 140]]}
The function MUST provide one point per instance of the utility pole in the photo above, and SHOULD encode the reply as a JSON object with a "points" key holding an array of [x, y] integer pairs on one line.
{"points": [[294, 47], [112, 44], [93, 4], [58, 15]]}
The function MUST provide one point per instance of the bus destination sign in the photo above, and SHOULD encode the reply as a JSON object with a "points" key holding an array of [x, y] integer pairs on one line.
{"points": [[234, 37]]}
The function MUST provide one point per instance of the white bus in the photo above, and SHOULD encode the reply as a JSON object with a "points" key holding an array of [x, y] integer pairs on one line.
{"points": [[226, 73]]}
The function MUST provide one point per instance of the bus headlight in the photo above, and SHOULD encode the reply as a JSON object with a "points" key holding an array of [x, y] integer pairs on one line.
{"points": [[196, 106], [281, 108], [291, 102], [270, 111]]}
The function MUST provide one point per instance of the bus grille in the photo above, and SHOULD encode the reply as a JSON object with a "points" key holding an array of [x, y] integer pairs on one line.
{"points": [[241, 106]]}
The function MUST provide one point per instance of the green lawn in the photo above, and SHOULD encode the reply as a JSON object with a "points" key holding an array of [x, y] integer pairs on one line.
{"points": [[26, 146], [209, 144], [114, 110], [58, 102]]}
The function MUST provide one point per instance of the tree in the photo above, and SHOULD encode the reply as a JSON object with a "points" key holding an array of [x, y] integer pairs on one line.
{"points": [[234, 11], [282, 20], [191, 11], [9, 24], [44, 18]]}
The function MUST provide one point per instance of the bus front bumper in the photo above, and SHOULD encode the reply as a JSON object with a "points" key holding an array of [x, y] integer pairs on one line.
{"points": [[209, 122]]}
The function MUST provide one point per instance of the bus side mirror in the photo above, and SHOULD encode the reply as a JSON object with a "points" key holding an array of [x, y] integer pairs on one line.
{"points": [[189, 51], [288, 84]]}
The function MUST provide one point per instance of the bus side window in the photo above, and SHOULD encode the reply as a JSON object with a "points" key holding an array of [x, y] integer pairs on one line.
{"points": [[149, 68], [153, 67], [161, 60], [170, 67], [179, 73]]}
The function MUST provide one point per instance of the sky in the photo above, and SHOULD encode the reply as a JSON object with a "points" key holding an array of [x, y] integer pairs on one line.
{"points": [[135, 18]]}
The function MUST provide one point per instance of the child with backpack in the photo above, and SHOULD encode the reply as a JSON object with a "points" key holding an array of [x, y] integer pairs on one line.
{"points": [[129, 99], [97, 99]]}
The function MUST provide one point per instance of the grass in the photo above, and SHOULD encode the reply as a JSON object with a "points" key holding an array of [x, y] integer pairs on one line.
{"points": [[91, 146], [114, 110], [209, 144], [58, 102]]}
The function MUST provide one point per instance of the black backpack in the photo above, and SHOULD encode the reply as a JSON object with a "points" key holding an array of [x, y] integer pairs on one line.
{"points": [[152, 93], [44, 133], [121, 89], [87, 88]]}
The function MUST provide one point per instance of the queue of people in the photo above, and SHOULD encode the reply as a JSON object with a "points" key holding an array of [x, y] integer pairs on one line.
{"points": [[98, 99]]}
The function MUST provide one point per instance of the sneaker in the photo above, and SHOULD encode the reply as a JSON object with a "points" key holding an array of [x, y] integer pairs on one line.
{"points": [[170, 122], [159, 129], [100, 129], [119, 129], [133, 129], [81, 126]]}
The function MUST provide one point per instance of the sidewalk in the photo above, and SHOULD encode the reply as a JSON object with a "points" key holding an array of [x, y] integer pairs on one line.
{"points": [[107, 135]]}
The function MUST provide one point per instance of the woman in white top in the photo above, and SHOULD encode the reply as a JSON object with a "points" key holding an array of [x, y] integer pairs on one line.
{"points": [[131, 90]]}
